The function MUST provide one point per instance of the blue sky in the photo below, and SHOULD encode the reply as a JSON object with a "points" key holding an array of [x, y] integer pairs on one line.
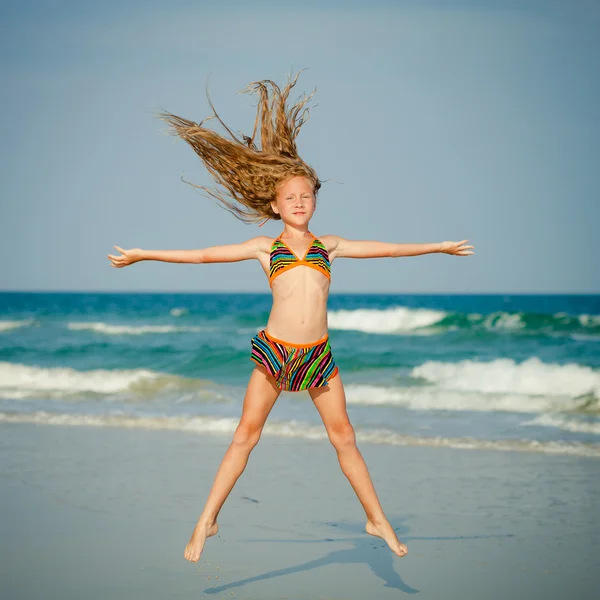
{"points": [[441, 121]]}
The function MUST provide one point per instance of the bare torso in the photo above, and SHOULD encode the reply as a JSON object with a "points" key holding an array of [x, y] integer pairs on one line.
{"points": [[299, 311]]}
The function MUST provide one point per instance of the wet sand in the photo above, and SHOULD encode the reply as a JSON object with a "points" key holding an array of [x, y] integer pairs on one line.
{"points": [[102, 513]]}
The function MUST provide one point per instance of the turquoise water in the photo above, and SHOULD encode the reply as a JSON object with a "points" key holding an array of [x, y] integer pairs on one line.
{"points": [[475, 371]]}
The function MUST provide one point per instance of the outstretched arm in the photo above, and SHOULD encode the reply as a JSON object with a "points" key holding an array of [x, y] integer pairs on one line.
{"points": [[229, 253], [343, 248]]}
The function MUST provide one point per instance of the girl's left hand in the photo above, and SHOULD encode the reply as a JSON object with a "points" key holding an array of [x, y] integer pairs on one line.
{"points": [[128, 257], [456, 248]]}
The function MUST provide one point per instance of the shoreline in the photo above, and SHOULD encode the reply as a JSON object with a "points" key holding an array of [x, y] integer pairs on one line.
{"points": [[305, 431]]}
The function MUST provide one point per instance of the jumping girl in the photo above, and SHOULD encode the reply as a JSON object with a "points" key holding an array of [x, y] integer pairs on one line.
{"points": [[292, 352]]}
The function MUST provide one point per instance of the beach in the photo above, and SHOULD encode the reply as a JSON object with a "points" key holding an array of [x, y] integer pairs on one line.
{"points": [[478, 417], [101, 512]]}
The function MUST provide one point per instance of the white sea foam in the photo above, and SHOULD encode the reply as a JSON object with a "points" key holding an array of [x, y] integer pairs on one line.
{"points": [[23, 381], [178, 312], [422, 321], [589, 320], [9, 325], [391, 320], [506, 376], [108, 329], [421, 398], [585, 337], [19, 381], [433, 398], [565, 423], [297, 429], [498, 385], [502, 320]]}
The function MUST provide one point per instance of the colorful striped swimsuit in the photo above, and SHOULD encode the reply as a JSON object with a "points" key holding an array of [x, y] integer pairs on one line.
{"points": [[283, 258], [295, 367]]}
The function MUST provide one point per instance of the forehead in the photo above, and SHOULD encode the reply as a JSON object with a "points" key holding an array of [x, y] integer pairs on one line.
{"points": [[296, 185]]}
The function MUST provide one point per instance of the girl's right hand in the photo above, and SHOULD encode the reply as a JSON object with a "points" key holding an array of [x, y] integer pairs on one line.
{"points": [[128, 257]]}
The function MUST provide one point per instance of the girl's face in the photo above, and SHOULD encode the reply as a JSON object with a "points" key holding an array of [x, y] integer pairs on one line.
{"points": [[295, 200]]}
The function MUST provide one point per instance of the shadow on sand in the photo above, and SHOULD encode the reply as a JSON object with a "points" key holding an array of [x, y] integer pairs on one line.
{"points": [[366, 549]]}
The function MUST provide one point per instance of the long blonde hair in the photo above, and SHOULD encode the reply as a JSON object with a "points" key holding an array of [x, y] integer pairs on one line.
{"points": [[250, 175]]}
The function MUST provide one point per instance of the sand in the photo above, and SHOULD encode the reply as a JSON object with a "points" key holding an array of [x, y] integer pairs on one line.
{"points": [[101, 513]]}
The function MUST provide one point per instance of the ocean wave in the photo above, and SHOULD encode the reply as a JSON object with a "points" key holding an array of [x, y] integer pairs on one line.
{"points": [[584, 337], [108, 329], [531, 377], [390, 320], [422, 398], [9, 325], [23, 381], [298, 429], [586, 320], [499, 385], [423, 321], [565, 423], [398, 320]]}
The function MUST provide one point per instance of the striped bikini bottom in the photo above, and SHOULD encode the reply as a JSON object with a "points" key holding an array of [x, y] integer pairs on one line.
{"points": [[295, 367]]}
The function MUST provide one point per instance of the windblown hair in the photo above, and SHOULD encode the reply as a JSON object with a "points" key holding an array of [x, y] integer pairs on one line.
{"points": [[251, 175]]}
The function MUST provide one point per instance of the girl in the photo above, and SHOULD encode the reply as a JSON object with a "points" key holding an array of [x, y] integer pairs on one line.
{"points": [[292, 352]]}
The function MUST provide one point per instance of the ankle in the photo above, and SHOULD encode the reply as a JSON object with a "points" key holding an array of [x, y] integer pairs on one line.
{"points": [[206, 521], [378, 521]]}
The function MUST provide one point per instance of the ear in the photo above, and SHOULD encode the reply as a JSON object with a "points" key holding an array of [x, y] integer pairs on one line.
{"points": [[274, 207]]}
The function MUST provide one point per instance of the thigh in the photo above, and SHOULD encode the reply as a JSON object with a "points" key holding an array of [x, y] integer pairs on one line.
{"points": [[330, 401], [260, 397]]}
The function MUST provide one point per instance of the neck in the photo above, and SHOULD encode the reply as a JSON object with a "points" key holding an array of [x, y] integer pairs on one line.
{"points": [[293, 232]]}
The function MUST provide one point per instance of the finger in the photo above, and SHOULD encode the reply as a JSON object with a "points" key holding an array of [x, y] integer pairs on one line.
{"points": [[119, 249]]}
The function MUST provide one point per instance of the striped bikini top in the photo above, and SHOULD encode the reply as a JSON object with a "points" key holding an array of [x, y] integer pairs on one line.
{"points": [[283, 259]]}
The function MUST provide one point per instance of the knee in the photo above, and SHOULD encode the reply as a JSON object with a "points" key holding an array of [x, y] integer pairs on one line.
{"points": [[246, 436], [342, 436]]}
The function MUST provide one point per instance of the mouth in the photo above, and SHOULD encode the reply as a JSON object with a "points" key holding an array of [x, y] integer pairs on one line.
{"points": [[299, 213]]}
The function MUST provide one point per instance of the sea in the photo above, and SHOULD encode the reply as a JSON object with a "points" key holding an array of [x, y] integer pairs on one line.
{"points": [[479, 372]]}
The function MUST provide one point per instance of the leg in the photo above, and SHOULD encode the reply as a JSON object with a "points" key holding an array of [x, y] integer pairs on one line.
{"points": [[330, 401], [258, 402]]}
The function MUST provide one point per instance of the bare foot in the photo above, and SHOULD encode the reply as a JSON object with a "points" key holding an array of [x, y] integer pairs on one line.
{"points": [[386, 532], [193, 550]]}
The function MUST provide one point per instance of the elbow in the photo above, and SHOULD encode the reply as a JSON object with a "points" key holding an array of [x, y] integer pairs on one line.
{"points": [[393, 251]]}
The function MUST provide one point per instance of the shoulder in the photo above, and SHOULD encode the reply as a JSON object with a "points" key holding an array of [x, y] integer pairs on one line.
{"points": [[331, 242], [261, 243]]}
